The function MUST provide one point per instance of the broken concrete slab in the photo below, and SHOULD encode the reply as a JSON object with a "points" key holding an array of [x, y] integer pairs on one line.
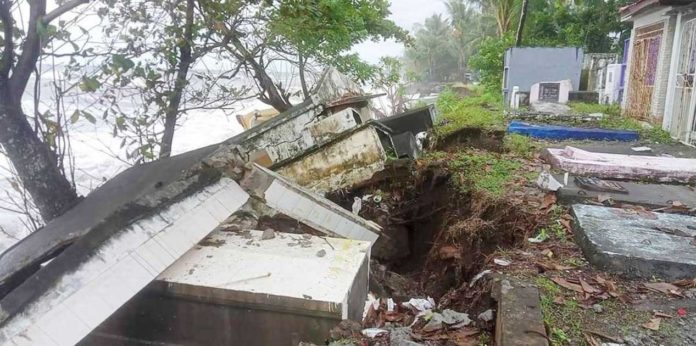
{"points": [[414, 121], [637, 244], [308, 207], [615, 166], [353, 157], [570, 133], [648, 195], [87, 282], [22, 259], [519, 320], [118, 255], [237, 288]]}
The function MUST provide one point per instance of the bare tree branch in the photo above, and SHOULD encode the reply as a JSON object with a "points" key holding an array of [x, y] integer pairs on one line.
{"points": [[49, 17]]}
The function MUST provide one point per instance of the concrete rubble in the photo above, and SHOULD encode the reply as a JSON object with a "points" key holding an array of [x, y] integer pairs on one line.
{"points": [[228, 224], [332, 140]]}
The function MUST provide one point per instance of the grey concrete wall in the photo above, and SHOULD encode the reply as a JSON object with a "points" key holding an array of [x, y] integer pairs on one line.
{"points": [[526, 66]]}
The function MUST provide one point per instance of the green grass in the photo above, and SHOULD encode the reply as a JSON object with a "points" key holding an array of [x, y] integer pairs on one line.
{"points": [[614, 120], [481, 111], [564, 321], [519, 145], [589, 108], [482, 172]]}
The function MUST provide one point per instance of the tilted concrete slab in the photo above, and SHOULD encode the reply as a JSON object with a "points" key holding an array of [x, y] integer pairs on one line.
{"points": [[237, 289], [414, 121], [614, 166], [22, 259], [353, 157], [308, 207], [120, 254], [637, 244], [649, 195], [85, 284]]}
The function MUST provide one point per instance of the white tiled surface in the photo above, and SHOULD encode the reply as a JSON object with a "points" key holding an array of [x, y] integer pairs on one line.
{"points": [[315, 214], [285, 266], [122, 266]]}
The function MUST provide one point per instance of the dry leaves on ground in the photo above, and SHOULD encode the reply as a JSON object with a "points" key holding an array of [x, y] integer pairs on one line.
{"points": [[663, 287]]}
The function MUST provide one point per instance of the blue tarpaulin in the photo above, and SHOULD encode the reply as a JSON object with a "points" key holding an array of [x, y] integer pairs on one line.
{"points": [[567, 132]]}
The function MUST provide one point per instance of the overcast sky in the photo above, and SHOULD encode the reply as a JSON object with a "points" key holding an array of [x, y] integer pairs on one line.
{"points": [[405, 13]]}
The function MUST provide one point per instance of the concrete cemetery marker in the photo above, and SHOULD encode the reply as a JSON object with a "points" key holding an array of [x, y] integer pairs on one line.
{"points": [[549, 92], [553, 92]]}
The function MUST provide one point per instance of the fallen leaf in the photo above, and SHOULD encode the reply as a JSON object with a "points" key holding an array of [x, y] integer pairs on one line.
{"points": [[547, 252], [681, 312], [653, 324], [566, 224], [447, 252], [565, 284], [663, 287], [549, 200], [685, 283], [560, 267], [559, 300], [587, 287], [661, 314], [591, 340]]}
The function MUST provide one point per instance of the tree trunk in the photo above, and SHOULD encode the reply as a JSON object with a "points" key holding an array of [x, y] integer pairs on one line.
{"points": [[303, 81], [270, 94], [35, 163], [185, 60], [520, 27]]}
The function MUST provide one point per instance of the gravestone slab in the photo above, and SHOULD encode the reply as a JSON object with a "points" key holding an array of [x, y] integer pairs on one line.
{"points": [[637, 244], [552, 91], [649, 195], [549, 92]]}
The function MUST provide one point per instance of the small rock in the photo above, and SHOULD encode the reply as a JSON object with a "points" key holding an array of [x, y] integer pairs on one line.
{"points": [[321, 253], [598, 308], [502, 262], [268, 234], [486, 316], [401, 337]]}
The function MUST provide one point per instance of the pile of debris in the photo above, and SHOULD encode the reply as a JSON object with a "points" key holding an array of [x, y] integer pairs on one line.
{"points": [[220, 244]]}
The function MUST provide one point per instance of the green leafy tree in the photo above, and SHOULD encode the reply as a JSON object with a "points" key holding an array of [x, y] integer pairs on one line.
{"points": [[433, 57], [389, 78], [324, 31], [489, 61]]}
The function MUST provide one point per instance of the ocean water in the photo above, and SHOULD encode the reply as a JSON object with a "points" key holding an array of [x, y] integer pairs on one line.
{"points": [[95, 148]]}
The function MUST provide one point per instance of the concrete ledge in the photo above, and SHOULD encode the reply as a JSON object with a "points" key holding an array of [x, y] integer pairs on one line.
{"points": [[519, 321], [649, 195]]}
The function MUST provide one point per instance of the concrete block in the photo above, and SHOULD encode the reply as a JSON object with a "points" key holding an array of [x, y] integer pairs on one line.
{"points": [[249, 291], [634, 244], [519, 319]]}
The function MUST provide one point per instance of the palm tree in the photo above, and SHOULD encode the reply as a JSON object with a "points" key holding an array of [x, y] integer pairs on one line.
{"points": [[504, 12]]}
